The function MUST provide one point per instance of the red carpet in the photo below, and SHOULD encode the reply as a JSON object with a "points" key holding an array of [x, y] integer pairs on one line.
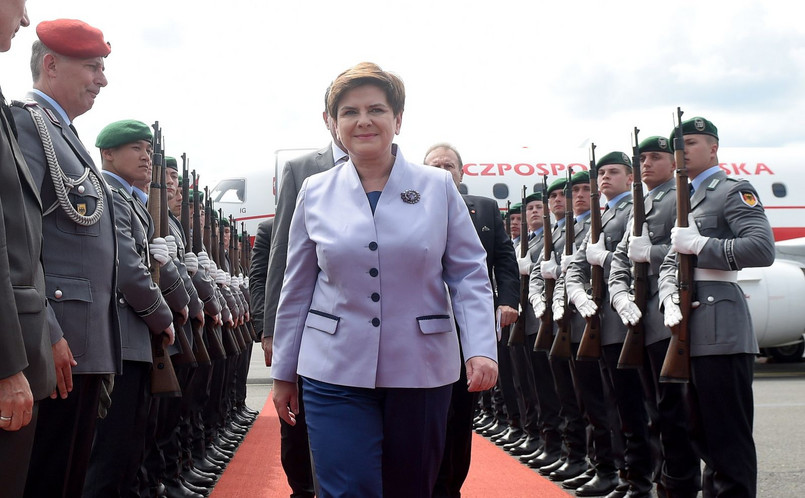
{"points": [[255, 471]]}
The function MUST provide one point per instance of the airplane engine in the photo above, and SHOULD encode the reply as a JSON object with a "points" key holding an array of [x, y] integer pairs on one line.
{"points": [[776, 298]]}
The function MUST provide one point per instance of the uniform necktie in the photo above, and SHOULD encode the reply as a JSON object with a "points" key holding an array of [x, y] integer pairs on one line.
{"points": [[692, 190], [74, 131]]}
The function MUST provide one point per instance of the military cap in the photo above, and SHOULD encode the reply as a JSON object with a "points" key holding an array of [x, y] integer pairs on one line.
{"points": [[656, 144], [515, 209], [123, 132], [697, 126], [225, 221], [580, 177], [73, 38], [615, 157], [558, 184], [170, 162], [200, 195], [536, 196]]}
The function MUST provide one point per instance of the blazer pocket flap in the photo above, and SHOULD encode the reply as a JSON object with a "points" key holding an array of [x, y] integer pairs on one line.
{"points": [[61, 288], [435, 324], [28, 300], [320, 320]]}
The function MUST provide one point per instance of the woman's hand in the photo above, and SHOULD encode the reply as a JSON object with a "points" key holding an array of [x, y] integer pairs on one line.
{"points": [[482, 373], [286, 400]]}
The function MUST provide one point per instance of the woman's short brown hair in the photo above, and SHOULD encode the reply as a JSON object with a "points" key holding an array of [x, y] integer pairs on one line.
{"points": [[367, 73]]}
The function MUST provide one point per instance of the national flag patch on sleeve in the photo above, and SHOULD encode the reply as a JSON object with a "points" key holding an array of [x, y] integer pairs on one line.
{"points": [[749, 198]]}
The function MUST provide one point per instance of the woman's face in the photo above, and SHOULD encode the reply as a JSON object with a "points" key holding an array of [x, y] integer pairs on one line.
{"points": [[365, 122]]}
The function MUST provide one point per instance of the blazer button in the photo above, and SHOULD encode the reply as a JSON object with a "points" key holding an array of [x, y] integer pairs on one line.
{"points": [[710, 299], [58, 294], [376, 322], [375, 297], [373, 272], [81, 189], [122, 301], [373, 246]]}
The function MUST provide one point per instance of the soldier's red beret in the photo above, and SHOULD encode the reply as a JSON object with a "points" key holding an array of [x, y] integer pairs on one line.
{"points": [[73, 38]]}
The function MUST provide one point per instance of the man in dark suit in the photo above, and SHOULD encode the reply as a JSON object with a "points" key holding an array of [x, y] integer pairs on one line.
{"points": [[79, 249], [26, 361], [294, 450], [501, 264]]}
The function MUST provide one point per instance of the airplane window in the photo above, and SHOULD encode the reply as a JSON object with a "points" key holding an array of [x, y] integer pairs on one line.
{"points": [[231, 190], [500, 191], [462, 189], [778, 189]]}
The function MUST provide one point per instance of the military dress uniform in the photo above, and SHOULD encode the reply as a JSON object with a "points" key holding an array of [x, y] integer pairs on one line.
{"points": [[678, 470]]}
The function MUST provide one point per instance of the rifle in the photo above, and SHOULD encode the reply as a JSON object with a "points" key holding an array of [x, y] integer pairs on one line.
{"points": [[216, 348], [561, 343], [545, 334], [235, 264], [676, 367], [635, 341], [517, 333], [508, 223], [163, 377], [227, 338], [199, 350], [590, 345]]}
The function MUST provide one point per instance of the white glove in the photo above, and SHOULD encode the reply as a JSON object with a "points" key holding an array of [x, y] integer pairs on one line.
{"points": [[539, 306], [566, 260], [228, 279], [688, 240], [597, 253], [212, 268], [639, 249], [173, 249], [246, 282], [549, 269], [159, 251], [525, 264], [672, 313], [584, 305], [220, 277], [191, 263], [628, 311], [204, 260], [558, 308]]}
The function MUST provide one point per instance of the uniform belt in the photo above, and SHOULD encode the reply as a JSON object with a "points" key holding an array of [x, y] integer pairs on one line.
{"points": [[706, 274]]}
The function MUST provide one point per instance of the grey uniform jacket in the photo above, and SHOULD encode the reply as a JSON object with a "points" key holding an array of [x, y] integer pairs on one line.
{"points": [[577, 322], [613, 226], [660, 206], [727, 211], [24, 338], [535, 252], [79, 261], [258, 270], [141, 306], [194, 305], [294, 173]]}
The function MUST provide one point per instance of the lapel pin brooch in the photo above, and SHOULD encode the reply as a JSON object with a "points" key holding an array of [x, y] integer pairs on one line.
{"points": [[410, 196]]}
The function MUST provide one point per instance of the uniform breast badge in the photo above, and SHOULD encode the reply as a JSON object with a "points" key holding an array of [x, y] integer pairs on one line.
{"points": [[410, 196]]}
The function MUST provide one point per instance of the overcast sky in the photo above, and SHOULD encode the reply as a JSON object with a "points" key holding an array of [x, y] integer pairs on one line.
{"points": [[232, 81]]}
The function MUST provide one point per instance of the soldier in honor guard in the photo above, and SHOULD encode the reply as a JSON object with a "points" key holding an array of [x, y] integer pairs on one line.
{"points": [[728, 231], [126, 155], [27, 374], [501, 267], [79, 249], [614, 181], [679, 473]]}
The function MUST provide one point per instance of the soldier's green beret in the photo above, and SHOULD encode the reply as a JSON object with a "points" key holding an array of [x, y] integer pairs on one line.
{"points": [[200, 195], [224, 221], [170, 162], [536, 196], [515, 209], [656, 144], [615, 157], [580, 177], [558, 184], [123, 132], [697, 126]]}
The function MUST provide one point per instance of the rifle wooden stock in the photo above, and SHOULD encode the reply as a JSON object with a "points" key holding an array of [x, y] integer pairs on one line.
{"points": [[544, 338], [184, 217], [197, 229], [216, 345], [199, 349], [590, 345], [561, 343], [634, 344], [186, 356], [517, 333], [228, 340], [163, 377], [676, 367]]}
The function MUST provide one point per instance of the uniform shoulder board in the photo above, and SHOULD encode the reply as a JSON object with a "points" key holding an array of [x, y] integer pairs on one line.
{"points": [[30, 103], [734, 180], [22, 104], [713, 183]]}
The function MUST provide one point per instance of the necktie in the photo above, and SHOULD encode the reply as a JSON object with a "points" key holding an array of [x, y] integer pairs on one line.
{"points": [[74, 131], [531, 235], [692, 190]]}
